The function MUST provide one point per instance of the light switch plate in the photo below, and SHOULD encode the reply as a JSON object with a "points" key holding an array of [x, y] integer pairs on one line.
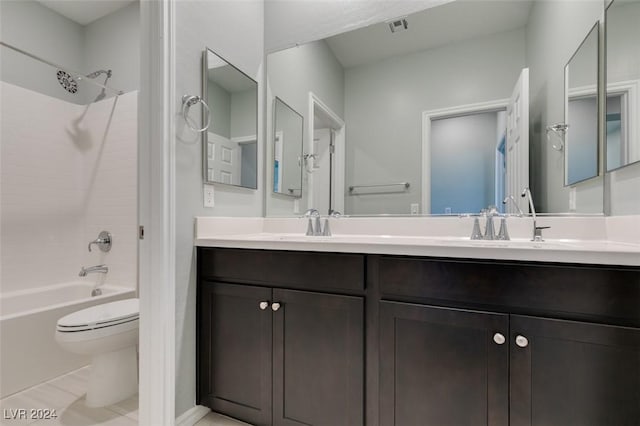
{"points": [[208, 196]]}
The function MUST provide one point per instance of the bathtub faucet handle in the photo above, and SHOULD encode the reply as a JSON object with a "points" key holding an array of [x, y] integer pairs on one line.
{"points": [[103, 241]]}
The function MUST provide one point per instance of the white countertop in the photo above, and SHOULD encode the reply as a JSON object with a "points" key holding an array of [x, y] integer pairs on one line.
{"points": [[434, 237]]}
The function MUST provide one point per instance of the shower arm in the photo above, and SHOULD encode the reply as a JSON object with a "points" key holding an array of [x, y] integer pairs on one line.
{"points": [[74, 74]]}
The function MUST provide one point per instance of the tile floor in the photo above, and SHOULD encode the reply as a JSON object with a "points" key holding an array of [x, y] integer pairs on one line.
{"points": [[215, 419], [65, 395]]}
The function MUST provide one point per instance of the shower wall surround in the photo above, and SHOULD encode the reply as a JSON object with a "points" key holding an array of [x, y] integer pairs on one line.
{"points": [[64, 179]]}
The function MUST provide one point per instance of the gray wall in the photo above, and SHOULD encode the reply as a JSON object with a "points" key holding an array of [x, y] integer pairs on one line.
{"points": [[396, 91], [234, 29], [111, 42], [291, 126], [292, 74], [244, 110], [219, 101], [554, 31], [38, 30]]}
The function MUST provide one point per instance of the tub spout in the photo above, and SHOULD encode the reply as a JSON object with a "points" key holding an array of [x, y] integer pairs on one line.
{"points": [[103, 269]]}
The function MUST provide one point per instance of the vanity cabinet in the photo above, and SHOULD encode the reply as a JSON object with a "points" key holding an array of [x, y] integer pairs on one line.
{"points": [[281, 340], [443, 362], [270, 355], [443, 366]]}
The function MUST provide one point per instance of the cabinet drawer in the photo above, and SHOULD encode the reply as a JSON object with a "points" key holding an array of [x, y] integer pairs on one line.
{"points": [[565, 291], [299, 270]]}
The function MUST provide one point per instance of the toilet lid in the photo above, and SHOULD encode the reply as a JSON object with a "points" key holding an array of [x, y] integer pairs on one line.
{"points": [[102, 315]]}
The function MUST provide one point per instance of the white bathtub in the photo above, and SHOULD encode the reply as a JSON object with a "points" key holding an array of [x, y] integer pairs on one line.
{"points": [[29, 354]]}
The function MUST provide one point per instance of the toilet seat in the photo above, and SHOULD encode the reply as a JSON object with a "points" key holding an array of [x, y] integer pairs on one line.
{"points": [[123, 313]]}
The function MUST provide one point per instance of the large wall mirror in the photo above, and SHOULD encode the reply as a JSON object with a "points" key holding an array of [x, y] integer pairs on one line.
{"points": [[439, 112], [623, 83], [230, 150], [288, 131], [581, 113]]}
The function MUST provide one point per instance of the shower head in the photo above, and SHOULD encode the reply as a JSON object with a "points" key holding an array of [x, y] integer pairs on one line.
{"points": [[67, 81], [97, 73]]}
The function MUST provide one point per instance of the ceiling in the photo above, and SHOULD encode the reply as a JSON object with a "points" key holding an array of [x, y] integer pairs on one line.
{"points": [[85, 11], [431, 28]]}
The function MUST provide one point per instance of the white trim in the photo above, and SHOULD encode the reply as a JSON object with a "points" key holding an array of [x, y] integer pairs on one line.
{"points": [[245, 139], [630, 89], [337, 181], [192, 415], [427, 117], [156, 210]]}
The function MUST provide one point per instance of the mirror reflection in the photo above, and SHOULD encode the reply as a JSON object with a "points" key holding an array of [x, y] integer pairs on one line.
{"points": [[581, 115], [287, 153], [230, 144], [398, 93], [623, 83]]}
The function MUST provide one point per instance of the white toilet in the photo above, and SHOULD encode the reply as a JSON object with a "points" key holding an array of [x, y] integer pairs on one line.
{"points": [[109, 334]]}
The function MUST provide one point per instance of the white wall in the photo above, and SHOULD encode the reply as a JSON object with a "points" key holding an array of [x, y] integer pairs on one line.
{"points": [[111, 42], [554, 31], [292, 74], [234, 29], [396, 91], [63, 180]]}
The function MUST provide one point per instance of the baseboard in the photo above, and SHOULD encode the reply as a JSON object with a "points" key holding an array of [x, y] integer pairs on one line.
{"points": [[192, 416]]}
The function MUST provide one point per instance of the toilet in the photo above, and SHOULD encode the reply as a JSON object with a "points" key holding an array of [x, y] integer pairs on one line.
{"points": [[109, 334]]}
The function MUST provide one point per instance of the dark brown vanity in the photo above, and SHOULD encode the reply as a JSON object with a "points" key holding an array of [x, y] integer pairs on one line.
{"points": [[310, 338]]}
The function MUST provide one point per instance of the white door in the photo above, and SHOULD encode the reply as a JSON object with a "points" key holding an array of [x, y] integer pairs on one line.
{"points": [[517, 149], [322, 170], [223, 164]]}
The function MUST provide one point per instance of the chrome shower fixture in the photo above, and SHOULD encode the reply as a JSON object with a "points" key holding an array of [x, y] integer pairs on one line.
{"points": [[97, 73], [67, 81]]}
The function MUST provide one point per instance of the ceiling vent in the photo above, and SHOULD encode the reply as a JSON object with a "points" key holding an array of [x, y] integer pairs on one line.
{"points": [[398, 24]]}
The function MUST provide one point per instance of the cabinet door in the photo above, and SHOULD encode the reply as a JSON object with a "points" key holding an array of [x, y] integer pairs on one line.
{"points": [[235, 351], [441, 366], [318, 359], [571, 373]]}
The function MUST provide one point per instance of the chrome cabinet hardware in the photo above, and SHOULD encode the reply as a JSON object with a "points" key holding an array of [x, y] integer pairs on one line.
{"points": [[275, 306], [499, 338], [263, 305], [522, 341]]}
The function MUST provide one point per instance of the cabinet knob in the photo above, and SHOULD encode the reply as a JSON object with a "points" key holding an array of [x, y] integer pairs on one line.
{"points": [[275, 306], [263, 305], [522, 341], [499, 338]]}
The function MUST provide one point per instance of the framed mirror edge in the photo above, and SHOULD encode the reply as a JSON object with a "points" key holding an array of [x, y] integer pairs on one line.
{"points": [[608, 4], [205, 141], [272, 142], [600, 58]]}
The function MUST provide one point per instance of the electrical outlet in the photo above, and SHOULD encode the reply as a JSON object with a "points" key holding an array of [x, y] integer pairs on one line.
{"points": [[415, 208], [208, 196]]}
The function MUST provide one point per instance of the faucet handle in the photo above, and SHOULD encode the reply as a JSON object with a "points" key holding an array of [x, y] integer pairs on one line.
{"points": [[476, 234], [537, 232], [103, 241], [503, 233]]}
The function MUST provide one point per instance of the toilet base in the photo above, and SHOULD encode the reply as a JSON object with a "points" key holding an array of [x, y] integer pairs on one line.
{"points": [[113, 377]]}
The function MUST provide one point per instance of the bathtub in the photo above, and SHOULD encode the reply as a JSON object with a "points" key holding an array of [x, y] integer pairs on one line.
{"points": [[29, 353]]}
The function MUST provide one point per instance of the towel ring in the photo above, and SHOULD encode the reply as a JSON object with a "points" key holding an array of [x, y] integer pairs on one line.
{"points": [[187, 102], [560, 131]]}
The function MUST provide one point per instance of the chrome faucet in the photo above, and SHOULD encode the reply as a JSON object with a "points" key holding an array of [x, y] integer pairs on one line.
{"points": [[313, 227], [515, 204], [537, 230], [103, 241], [102, 269]]}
